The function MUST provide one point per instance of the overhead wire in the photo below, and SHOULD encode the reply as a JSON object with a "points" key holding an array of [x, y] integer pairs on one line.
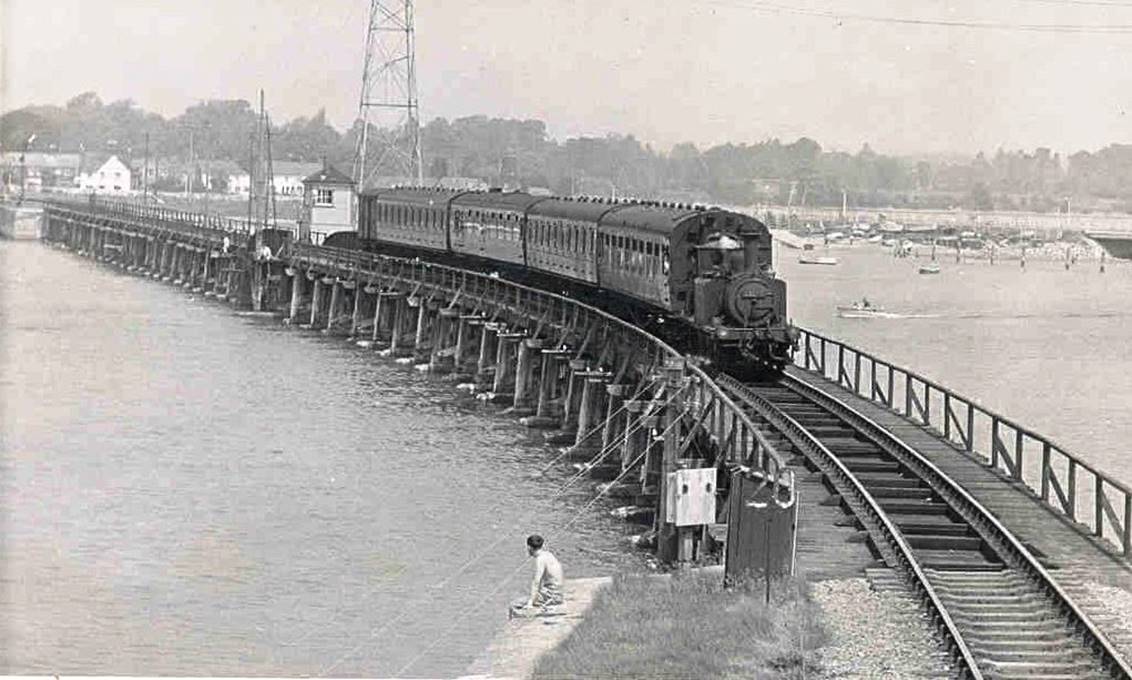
{"points": [[778, 8]]}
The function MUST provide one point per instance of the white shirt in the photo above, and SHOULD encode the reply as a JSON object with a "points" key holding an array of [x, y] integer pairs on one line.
{"points": [[548, 571]]}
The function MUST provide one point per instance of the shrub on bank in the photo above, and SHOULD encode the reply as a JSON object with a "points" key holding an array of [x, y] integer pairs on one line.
{"points": [[688, 626]]}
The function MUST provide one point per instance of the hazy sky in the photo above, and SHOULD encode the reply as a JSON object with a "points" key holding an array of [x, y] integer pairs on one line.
{"points": [[702, 71]]}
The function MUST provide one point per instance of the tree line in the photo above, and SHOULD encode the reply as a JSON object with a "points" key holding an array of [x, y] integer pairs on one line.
{"points": [[521, 153]]}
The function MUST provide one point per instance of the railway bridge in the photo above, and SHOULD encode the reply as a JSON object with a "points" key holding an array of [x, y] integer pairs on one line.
{"points": [[999, 532]]}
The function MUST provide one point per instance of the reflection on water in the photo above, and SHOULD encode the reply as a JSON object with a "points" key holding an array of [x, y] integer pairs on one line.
{"points": [[188, 491], [1046, 346]]}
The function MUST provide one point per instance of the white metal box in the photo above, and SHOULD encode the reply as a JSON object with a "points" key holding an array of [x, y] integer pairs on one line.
{"points": [[691, 497]]}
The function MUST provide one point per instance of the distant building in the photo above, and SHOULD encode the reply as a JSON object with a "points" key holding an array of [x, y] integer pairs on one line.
{"points": [[37, 170], [328, 203], [287, 178], [111, 177]]}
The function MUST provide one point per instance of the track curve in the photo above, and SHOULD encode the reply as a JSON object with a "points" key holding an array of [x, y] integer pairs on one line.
{"points": [[999, 612]]}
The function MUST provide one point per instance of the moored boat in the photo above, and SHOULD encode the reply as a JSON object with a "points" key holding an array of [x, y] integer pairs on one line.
{"points": [[929, 268], [1117, 244], [812, 259]]}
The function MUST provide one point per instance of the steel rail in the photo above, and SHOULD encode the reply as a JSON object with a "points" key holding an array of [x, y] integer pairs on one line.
{"points": [[884, 533], [1001, 539], [1061, 491]]}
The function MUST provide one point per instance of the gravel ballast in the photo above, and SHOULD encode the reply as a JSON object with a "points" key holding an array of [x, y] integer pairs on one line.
{"points": [[875, 634]]}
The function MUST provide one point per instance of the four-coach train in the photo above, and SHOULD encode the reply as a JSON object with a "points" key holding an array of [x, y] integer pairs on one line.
{"points": [[703, 275]]}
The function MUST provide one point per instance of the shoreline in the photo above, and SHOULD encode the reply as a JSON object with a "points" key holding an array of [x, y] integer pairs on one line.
{"points": [[515, 649]]}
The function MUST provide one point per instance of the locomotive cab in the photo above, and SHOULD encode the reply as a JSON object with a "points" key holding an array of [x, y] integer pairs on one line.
{"points": [[718, 259]]}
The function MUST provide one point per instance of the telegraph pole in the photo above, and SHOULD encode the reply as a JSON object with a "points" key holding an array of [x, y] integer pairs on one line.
{"points": [[389, 95], [145, 172]]}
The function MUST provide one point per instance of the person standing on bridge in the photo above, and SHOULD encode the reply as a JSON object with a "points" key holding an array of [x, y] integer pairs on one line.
{"points": [[546, 588]]}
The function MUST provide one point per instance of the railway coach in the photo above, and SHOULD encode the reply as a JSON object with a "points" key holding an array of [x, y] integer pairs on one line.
{"points": [[704, 270]]}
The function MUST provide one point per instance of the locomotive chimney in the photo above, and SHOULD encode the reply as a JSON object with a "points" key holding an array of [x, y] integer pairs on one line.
{"points": [[750, 238]]}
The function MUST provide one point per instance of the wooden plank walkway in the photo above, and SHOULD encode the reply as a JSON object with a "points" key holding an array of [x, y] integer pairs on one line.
{"points": [[827, 547], [1074, 556]]}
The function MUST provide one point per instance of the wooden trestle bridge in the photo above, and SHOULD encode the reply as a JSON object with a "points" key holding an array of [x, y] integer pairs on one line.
{"points": [[998, 531]]}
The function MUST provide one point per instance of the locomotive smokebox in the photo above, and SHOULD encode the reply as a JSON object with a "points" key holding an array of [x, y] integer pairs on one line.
{"points": [[755, 300]]}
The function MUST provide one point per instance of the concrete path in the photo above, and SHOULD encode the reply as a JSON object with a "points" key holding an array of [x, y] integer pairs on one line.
{"points": [[516, 648]]}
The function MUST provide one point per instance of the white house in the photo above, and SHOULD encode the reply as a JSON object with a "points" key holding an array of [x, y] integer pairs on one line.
{"points": [[287, 178], [112, 177]]}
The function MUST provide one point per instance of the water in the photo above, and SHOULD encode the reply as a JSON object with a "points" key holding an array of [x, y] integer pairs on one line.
{"points": [[1045, 346], [188, 491]]}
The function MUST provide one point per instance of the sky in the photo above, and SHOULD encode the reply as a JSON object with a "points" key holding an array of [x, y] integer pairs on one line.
{"points": [[975, 75]]}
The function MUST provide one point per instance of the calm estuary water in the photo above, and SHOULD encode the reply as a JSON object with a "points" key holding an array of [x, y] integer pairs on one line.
{"points": [[1047, 347], [184, 490], [187, 491]]}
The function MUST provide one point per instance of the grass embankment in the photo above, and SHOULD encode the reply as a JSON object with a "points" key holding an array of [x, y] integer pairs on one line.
{"points": [[689, 626]]}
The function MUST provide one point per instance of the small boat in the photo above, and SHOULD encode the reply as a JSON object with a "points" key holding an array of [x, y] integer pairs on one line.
{"points": [[806, 259], [863, 309], [929, 268]]}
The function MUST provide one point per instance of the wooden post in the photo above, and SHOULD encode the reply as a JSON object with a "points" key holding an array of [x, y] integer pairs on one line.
{"points": [[442, 359], [335, 302], [316, 300], [593, 393], [355, 316], [298, 281], [672, 545], [401, 335], [526, 382], [485, 362], [614, 414], [503, 386], [572, 403], [549, 401], [635, 438]]}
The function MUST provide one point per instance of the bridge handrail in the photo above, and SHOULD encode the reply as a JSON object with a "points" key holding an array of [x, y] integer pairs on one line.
{"points": [[118, 206], [745, 431], [956, 421]]}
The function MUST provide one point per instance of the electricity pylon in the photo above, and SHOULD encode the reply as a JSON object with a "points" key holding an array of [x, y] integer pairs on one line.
{"points": [[388, 100]]}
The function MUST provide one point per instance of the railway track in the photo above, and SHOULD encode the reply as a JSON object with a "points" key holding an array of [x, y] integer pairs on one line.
{"points": [[998, 611]]}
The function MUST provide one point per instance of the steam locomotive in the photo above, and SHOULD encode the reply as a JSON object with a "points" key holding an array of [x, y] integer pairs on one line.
{"points": [[702, 275]]}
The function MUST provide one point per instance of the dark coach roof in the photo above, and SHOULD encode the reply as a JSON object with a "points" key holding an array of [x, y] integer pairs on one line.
{"points": [[517, 201], [583, 209], [414, 196], [659, 219]]}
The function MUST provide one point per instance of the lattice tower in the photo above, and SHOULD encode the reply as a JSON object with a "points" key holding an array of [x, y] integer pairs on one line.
{"points": [[389, 143]]}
